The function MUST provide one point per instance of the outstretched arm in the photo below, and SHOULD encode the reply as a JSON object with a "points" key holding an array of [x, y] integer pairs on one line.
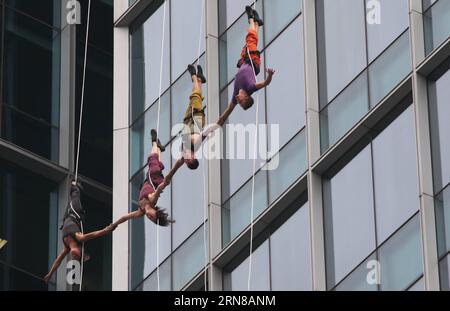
{"points": [[153, 197], [93, 235], [172, 172], [56, 264], [222, 119], [270, 73], [133, 215]]}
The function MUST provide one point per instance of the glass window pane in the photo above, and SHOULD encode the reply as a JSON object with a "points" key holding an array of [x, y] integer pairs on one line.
{"points": [[290, 258], [395, 174], [229, 11], [358, 279], [47, 11], [401, 258], [439, 93], [188, 198], [419, 286], [427, 3], [40, 103], [442, 208], [341, 44], [165, 277], [189, 259], [28, 222], [29, 133], [445, 273], [286, 93], [394, 20], [344, 112], [436, 25], [281, 13], [146, 62], [390, 69], [97, 272], [186, 17], [260, 278], [239, 207], [292, 164], [20, 281], [349, 217], [141, 142]]}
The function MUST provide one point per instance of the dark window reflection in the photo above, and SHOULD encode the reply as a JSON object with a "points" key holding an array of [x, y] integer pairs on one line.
{"points": [[97, 273], [28, 217], [30, 85], [47, 11], [96, 138]]}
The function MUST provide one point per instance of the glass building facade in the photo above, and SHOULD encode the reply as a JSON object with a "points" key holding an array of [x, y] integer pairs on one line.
{"points": [[40, 87], [358, 199]]}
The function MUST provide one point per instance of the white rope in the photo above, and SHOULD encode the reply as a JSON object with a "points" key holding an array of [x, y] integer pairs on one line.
{"points": [[205, 200], [255, 145], [82, 90], [157, 130], [205, 209], [79, 131]]}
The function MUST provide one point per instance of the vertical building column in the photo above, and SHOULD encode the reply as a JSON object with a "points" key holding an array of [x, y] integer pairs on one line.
{"points": [[426, 195], [120, 150], [214, 172], [66, 125], [313, 146]]}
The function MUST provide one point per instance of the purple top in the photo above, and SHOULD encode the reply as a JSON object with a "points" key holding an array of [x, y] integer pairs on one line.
{"points": [[245, 80]]}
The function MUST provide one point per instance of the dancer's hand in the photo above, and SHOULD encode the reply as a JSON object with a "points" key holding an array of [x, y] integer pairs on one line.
{"points": [[270, 72], [47, 278]]}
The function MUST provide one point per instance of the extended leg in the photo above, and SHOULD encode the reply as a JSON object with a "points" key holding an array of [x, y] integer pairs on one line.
{"points": [[157, 147], [92, 235]]}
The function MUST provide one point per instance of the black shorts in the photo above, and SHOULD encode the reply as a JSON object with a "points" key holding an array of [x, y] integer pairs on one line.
{"points": [[70, 228]]}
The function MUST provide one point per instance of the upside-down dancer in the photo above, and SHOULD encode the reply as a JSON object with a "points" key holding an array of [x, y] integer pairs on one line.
{"points": [[72, 234], [194, 119], [245, 83], [152, 188]]}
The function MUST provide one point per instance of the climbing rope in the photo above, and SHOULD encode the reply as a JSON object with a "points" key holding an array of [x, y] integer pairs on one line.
{"points": [[79, 132], [255, 145], [205, 207], [157, 130], [200, 129]]}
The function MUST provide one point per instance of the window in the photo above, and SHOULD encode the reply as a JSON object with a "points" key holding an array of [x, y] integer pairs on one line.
{"points": [[439, 93], [146, 61], [190, 258], [396, 180], [40, 207], [186, 17], [31, 119], [287, 91], [364, 205], [280, 262], [436, 25], [281, 13], [341, 44], [260, 277], [290, 258], [349, 217]]}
